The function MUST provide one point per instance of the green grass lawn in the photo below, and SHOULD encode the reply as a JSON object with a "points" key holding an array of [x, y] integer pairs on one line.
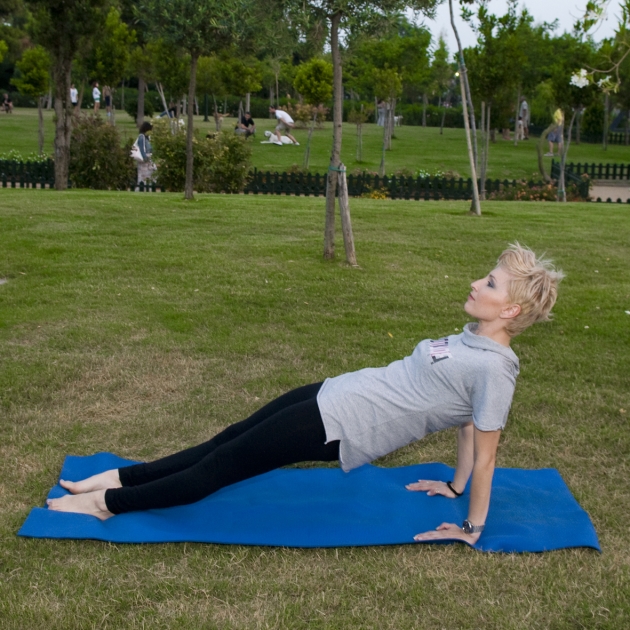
{"points": [[414, 147], [140, 324]]}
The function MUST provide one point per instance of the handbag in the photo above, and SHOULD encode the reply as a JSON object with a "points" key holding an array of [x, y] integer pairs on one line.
{"points": [[135, 152]]}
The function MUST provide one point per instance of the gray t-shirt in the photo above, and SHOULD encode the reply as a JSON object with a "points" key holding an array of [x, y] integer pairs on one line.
{"points": [[443, 383]]}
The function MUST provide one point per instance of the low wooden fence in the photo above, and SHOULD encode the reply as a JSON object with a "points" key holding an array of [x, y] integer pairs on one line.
{"points": [[418, 188], [596, 171], [42, 175], [15, 174], [268, 183]]}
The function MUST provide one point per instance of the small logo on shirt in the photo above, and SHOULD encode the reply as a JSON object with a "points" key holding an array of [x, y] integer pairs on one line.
{"points": [[439, 350]]}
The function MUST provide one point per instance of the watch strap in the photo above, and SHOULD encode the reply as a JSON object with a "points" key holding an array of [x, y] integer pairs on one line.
{"points": [[469, 528]]}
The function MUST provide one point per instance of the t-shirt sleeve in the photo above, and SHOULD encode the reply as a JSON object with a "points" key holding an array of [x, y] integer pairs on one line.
{"points": [[492, 397]]}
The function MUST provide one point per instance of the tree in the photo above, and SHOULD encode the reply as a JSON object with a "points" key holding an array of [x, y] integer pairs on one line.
{"points": [[387, 87], [61, 27], [4, 49], [572, 91], [466, 98], [171, 69], [441, 75], [110, 53], [198, 27], [210, 81], [313, 81], [141, 65], [242, 76], [34, 80], [357, 15]]}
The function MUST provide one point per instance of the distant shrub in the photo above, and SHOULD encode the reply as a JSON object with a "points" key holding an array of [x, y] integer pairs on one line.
{"points": [[534, 191], [98, 159], [131, 107], [221, 161], [303, 114]]}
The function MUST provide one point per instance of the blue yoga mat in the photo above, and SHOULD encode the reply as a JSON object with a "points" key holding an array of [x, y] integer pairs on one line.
{"points": [[531, 510]]}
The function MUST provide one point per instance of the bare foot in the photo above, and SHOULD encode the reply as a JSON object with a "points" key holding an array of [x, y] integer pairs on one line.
{"points": [[92, 503], [102, 481]]}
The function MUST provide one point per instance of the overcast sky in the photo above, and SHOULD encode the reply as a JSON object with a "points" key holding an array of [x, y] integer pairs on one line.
{"points": [[565, 11]]}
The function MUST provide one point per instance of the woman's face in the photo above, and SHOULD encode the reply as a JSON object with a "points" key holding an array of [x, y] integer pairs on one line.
{"points": [[489, 296]]}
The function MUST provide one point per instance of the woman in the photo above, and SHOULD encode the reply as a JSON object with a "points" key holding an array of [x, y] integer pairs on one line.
{"points": [[146, 167], [464, 380], [557, 133]]}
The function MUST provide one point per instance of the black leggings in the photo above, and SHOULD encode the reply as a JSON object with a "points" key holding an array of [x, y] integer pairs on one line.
{"points": [[286, 431]]}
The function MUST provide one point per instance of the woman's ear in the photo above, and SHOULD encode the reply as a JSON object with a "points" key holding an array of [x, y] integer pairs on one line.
{"points": [[511, 311]]}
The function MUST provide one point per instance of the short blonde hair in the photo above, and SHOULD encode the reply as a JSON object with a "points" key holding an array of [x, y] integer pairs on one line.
{"points": [[533, 286]]}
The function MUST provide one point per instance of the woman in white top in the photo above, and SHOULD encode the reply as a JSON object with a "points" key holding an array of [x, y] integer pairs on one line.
{"points": [[96, 96], [464, 380]]}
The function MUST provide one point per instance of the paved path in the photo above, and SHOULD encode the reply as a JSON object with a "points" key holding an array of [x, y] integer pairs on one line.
{"points": [[614, 191]]}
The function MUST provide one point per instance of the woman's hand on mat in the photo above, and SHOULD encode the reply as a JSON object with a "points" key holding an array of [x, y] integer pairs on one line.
{"points": [[431, 488], [447, 531]]}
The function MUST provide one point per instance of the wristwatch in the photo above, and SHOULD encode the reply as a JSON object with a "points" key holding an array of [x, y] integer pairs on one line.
{"points": [[469, 528]]}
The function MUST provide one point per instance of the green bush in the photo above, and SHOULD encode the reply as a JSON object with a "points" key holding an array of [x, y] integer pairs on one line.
{"points": [[97, 158], [131, 107], [221, 162]]}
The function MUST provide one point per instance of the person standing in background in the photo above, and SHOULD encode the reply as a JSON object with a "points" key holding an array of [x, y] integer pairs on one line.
{"points": [[146, 168], [524, 116], [96, 96], [285, 123], [557, 133], [107, 95], [74, 97]]}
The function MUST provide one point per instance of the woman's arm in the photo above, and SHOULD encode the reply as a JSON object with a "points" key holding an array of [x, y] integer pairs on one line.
{"points": [[465, 459], [485, 444]]}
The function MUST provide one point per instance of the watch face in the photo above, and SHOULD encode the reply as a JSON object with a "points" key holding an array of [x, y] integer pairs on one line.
{"points": [[467, 527]]}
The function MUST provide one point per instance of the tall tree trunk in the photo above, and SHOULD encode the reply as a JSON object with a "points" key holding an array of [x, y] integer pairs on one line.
{"points": [[307, 151], [188, 190], [40, 117], [140, 108], [160, 90], [248, 98], [562, 187], [49, 101], [482, 154], [540, 147], [605, 134], [346, 223], [335, 155], [381, 168], [516, 116], [578, 128], [463, 81], [487, 139], [217, 118], [80, 101], [63, 120], [425, 100]]}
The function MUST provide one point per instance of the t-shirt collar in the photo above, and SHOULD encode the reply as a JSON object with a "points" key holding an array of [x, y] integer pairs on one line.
{"points": [[471, 339]]}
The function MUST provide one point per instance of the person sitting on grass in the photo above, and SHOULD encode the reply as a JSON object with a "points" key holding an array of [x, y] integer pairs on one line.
{"points": [[7, 104], [465, 380], [246, 127]]}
